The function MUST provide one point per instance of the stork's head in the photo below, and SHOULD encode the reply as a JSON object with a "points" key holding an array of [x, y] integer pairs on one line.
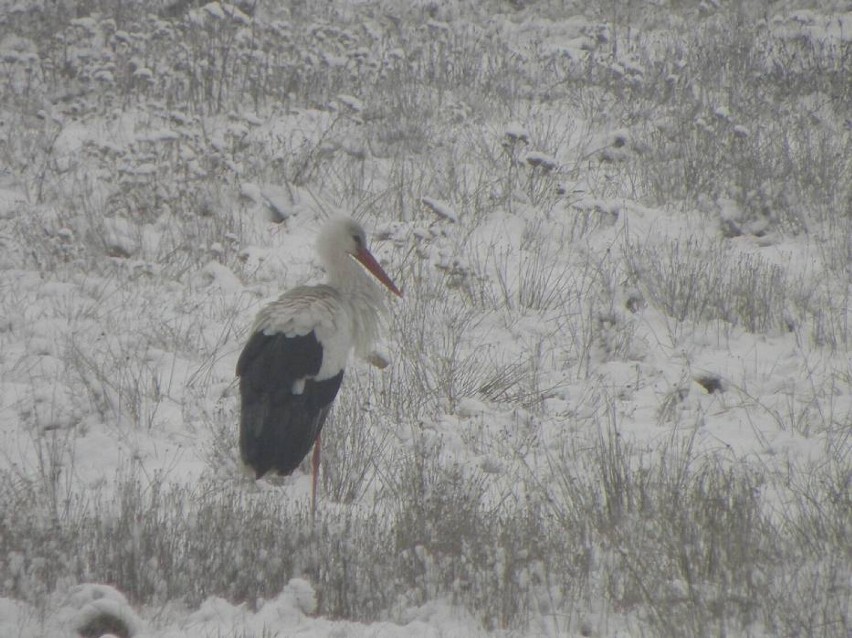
{"points": [[342, 237]]}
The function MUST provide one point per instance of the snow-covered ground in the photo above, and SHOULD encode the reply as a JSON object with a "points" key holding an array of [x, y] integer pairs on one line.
{"points": [[626, 274]]}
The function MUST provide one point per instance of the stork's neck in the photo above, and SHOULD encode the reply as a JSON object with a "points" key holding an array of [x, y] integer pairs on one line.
{"points": [[344, 274], [362, 297]]}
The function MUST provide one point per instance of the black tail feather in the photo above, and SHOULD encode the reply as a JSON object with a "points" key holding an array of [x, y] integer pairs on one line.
{"points": [[277, 430]]}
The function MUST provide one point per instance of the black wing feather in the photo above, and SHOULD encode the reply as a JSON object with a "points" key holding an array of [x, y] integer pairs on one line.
{"points": [[278, 427]]}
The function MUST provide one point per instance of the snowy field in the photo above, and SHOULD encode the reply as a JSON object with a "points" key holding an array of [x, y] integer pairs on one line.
{"points": [[619, 397]]}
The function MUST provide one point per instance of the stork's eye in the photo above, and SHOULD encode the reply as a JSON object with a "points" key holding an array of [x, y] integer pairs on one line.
{"points": [[359, 241]]}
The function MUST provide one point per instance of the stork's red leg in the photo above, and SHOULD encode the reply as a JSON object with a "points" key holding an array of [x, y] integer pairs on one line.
{"points": [[315, 463]]}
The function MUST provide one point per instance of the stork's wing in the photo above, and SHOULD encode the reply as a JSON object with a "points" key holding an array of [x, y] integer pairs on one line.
{"points": [[302, 310], [284, 405], [283, 408]]}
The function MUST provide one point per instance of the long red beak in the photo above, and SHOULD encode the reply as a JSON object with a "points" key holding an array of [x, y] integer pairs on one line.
{"points": [[366, 258]]}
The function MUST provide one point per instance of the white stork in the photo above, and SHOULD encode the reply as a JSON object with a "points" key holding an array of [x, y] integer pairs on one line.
{"points": [[291, 368]]}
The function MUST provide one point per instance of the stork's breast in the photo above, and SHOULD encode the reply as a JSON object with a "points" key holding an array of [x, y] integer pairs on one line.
{"points": [[336, 342]]}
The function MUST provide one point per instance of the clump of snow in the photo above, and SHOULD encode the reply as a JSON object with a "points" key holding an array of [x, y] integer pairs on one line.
{"points": [[351, 102], [517, 132], [441, 209], [304, 596], [121, 237], [279, 203], [741, 131], [541, 160], [220, 277], [96, 609]]}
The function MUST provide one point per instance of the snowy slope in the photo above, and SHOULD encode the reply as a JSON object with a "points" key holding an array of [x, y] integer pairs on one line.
{"points": [[626, 277]]}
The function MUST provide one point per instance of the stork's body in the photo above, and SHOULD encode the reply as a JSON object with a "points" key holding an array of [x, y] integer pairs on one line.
{"points": [[292, 366]]}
